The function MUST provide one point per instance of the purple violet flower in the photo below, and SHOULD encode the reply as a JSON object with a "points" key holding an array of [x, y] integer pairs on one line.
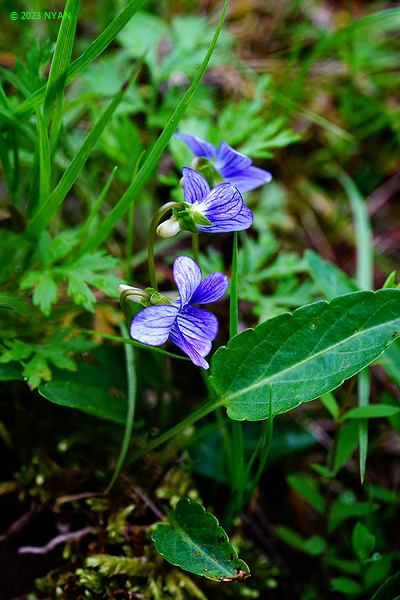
{"points": [[234, 167], [222, 207], [190, 328]]}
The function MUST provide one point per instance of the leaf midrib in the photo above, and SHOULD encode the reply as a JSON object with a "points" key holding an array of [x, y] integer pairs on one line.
{"points": [[265, 380], [204, 554]]}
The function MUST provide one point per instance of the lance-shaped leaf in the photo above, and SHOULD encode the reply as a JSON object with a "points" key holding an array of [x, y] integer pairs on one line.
{"points": [[195, 542], [304, 354]]}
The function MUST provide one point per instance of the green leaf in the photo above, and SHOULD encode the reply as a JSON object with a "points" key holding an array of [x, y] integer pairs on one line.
{"points": [[330, 403], [346, 444], [195, 542], [304, 354], [346, 586], [307, 490], [371, 411], [363, 541], [45, 293], [390, 589], [329, 278], [314, 545], [93, 400], [10, 371]]}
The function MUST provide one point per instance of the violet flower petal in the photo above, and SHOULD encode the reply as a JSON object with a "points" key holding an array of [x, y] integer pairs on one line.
{"points": [[212, 288], [249, 179], [193, 331], [224, 207], [195, 185], [243, 220], [228, 161], [198, 146], [178, 339], [223, 202], [152, 325], [187, 276]]}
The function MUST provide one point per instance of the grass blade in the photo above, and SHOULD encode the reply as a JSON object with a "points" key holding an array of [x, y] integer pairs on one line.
{"points": [[46, 212], [152, 158], [131, 380], [364, 277], [58, 71], [44, 160], [88, 56]]}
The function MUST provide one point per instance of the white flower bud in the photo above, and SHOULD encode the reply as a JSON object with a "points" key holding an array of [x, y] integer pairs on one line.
{"points": [[135, 295], [169, 228]]}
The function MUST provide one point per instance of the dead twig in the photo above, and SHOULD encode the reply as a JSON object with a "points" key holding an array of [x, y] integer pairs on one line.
{"points": [[59, 539]]}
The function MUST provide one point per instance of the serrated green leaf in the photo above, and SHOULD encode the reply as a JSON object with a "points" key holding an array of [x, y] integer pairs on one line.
{"points": [[304, 354], [35, 370], [195, 542], [45, 293], [93, 400], [81, 293]]}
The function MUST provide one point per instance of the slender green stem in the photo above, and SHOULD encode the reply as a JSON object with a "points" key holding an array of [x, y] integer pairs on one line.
{"points": [[190, 420], [131, 380], [123, 300], [238, 480], [152, 234], [118, 338], [233, 306], [195, 246]]}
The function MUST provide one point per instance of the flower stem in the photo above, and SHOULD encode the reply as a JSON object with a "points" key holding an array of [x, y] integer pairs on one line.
{"points": [[123, 300], [238, 479], [190, 420], [195, 247], [152, 234], [132, 385], [233, 306]]}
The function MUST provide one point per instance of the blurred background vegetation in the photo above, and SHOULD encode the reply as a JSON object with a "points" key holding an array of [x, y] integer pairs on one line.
{"points": [[308, 89]]}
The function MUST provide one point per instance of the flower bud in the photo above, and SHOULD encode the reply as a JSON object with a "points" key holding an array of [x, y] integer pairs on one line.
{"points": [[134, 294], [169, 228]]}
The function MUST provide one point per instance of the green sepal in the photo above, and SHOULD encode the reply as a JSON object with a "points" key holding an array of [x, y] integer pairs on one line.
{"points": [[155, 298], [200, 219], [186, 220]]}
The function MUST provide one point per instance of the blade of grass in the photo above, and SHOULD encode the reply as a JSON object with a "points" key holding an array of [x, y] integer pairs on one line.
{"points": [[44, 159], [375, 19], [264, 444], [47, 211], [12, 181], [9, 119], [364, 278], [88, 56], [152, 158], [131, 381], [52, 105], [296, 109], [89, 220]]}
